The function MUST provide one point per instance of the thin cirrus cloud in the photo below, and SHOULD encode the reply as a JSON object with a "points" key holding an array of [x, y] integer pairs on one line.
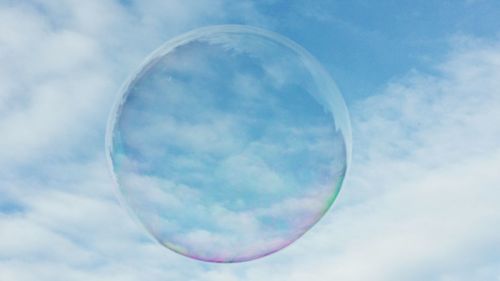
{"points": [[420, 202]]}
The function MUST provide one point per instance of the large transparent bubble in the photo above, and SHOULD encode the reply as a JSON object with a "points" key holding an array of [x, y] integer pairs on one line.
{"points": [[229, 143]]}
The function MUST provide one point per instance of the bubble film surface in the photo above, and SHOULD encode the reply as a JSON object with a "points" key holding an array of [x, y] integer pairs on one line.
{"points": [[229, 143]]}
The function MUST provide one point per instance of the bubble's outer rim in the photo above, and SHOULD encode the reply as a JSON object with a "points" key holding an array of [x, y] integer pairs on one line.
{"points": [[337, 103]]}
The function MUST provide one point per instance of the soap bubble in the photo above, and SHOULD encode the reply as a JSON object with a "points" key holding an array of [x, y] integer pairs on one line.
{"points": [[229, 143]]}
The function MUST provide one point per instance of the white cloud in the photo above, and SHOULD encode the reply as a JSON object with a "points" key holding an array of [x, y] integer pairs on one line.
{"points": [[421, 201]]}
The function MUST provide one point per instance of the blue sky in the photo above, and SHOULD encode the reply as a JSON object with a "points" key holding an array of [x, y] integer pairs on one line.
{"points": [[421, 82], [365, 43]]}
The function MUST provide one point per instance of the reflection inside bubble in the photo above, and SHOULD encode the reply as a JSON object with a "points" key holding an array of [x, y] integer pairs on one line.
{"points": [[229, 143]]}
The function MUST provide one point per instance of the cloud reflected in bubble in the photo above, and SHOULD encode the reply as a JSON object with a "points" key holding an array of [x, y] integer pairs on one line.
{"points": [[229, 143]]}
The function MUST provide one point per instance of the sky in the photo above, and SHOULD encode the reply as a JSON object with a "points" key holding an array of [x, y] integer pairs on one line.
{"points": [[421, 81]]}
